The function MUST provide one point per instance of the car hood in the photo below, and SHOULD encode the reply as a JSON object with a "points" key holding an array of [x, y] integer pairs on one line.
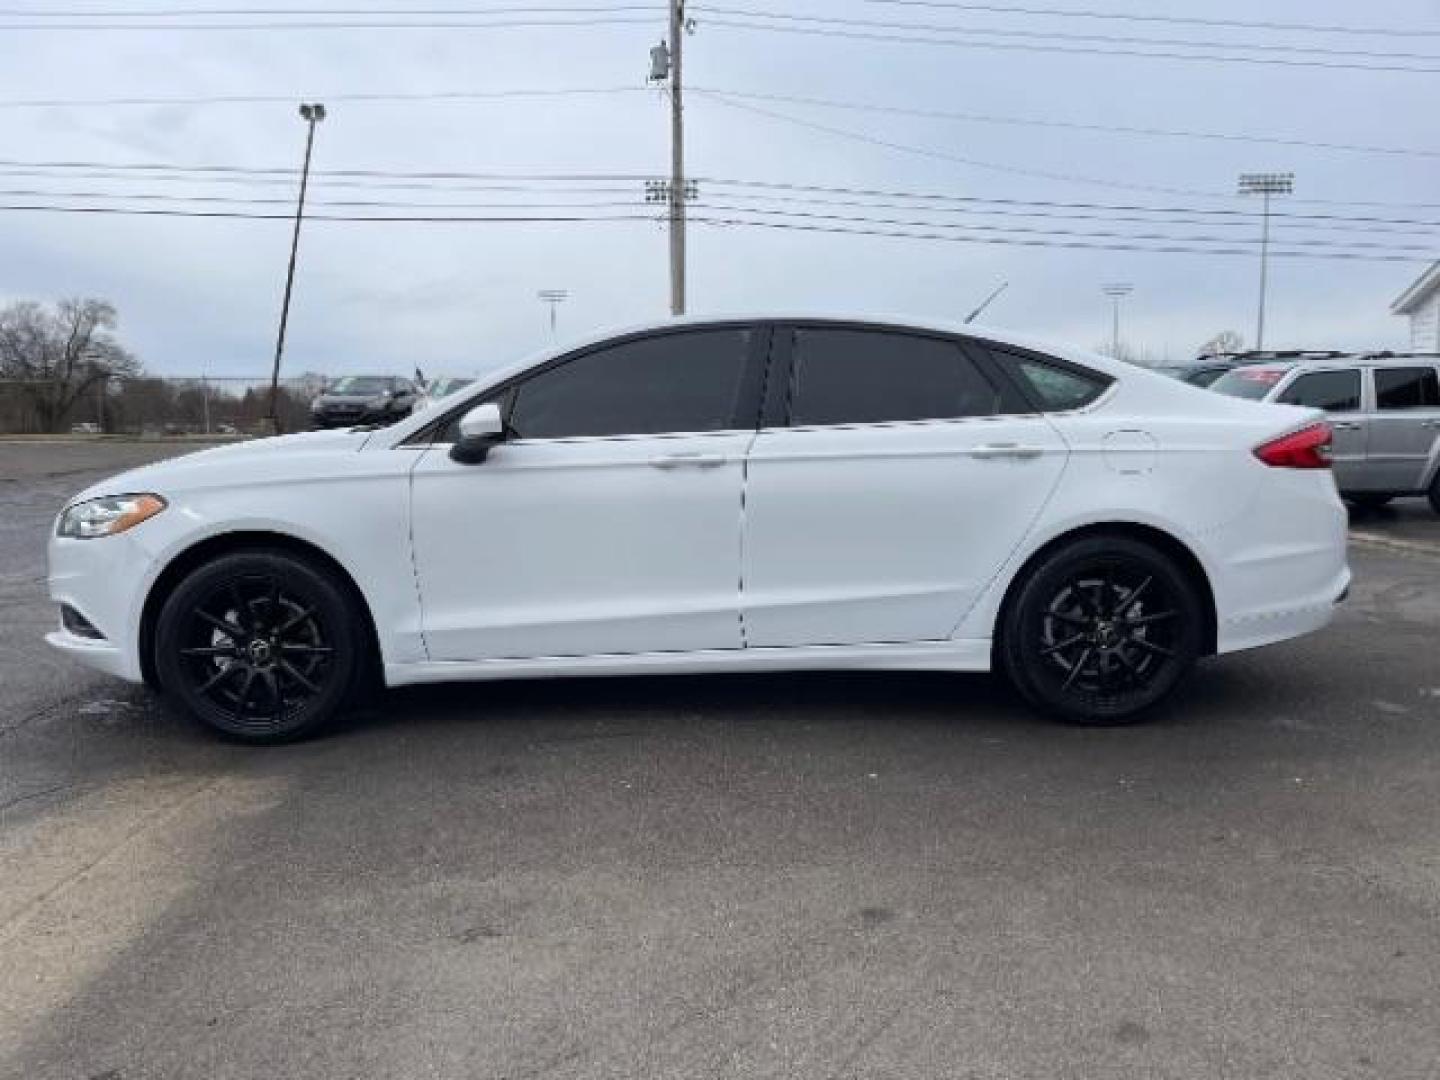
{"points": [[255, 460]]}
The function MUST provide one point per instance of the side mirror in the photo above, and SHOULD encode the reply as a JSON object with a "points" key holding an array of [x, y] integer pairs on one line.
{"points": [[480, 429]]}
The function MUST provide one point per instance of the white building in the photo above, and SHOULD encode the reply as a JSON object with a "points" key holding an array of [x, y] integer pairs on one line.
{"points": [[1421, 304]]}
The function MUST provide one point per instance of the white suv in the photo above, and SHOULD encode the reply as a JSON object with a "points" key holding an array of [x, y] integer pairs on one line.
{"points": [[1383, 408]]}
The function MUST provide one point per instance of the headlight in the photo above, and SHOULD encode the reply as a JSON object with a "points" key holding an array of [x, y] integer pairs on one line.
{"points": [[108, 516]]}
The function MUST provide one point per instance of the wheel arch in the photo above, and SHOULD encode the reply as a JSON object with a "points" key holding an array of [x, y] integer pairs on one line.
{"points": [[228, 543], [1158, 538]]}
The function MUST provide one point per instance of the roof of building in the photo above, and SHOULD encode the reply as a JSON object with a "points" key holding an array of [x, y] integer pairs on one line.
{"points": [[1419, 290]]}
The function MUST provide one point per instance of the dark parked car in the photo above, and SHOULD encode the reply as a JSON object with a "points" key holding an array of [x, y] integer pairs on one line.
{"points": [[1201, 372], [363, 399]]}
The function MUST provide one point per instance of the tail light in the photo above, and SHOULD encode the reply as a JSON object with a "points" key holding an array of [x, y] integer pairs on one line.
{"points": [[1308, 448]]}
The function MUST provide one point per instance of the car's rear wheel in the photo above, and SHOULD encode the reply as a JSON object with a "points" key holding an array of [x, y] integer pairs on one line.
{"points": [[261, 647], [1102, 629]]}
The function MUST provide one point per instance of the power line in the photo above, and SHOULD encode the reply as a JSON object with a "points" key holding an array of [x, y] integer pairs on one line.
{"points": [[373, 24], [1171, 248], [941, 155], [1355, 245], [1076, 50], [828, 103], [1182, 20], [245, 12], [1069, 178], [1176, 216], [289, 99], [613, 183], [941, 197], [948, 5], [1031, 121], [1056, 35]]}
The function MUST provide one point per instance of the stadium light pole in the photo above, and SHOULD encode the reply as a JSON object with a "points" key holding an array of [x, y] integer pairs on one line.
{"points": [[312, 114], [553, 297], [1117, 291], [1265, 185]]}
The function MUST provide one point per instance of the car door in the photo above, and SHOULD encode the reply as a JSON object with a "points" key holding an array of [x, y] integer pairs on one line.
{"points": [[895, 474], [609, 521], [1405, 427], [1338, 392]]}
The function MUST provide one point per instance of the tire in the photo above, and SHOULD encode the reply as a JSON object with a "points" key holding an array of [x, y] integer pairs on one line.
{"points": [[1368, 501], [260, 646], [1434, 493], [1101, 630]]}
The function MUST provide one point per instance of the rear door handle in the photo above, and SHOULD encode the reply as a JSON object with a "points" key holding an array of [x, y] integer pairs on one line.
{"points": [[695, 461], [1006, 450]]}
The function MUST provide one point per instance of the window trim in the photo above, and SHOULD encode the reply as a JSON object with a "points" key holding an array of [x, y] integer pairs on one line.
{"points": [[747, 403]]}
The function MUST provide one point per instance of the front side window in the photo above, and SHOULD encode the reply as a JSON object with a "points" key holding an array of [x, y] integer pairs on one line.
{"points": [[878, 376], [1407, 388], [679, 382], [1333, 391]]}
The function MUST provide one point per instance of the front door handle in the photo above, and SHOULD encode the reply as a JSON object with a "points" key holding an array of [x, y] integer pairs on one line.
{"points": [[1344, 425], [695, 461], [1006, 450]]}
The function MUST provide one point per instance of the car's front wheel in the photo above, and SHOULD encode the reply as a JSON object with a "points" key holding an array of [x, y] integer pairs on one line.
{"points": [[1101, 629], [260, 646]]}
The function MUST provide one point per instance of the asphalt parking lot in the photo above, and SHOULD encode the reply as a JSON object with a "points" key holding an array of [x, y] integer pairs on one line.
{"points": [[780, 876]]}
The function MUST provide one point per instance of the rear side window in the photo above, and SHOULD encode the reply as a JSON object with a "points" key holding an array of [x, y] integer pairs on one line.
{"points": [[1057, 389], [1407, 388], [875, 376], [1333, 391], [676, 382]]}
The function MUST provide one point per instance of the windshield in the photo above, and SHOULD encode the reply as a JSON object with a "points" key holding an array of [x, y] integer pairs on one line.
{"points": [[439, 388], [1248, 382], [359, 384]]}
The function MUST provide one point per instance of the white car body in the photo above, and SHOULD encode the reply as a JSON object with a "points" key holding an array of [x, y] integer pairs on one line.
{"points": [[887, 545]]}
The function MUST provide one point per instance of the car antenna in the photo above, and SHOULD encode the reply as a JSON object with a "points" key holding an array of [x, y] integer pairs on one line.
{"points": [[986, 302]]}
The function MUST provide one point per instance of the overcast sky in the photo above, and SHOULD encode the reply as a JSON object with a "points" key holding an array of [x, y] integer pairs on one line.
{"points": [[204, 294]]}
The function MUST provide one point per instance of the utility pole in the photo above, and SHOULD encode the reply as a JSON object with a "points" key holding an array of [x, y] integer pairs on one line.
{"points": [[1117, 292], [677, 159], [312, 115], [666, 65], [1265, 185], [553, 297]]}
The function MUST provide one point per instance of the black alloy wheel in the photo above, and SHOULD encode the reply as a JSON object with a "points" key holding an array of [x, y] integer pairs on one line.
{"points": [[1103, 629], [262, 646]]}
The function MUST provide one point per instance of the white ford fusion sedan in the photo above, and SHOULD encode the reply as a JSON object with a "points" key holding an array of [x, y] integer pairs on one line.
{"points": [[762, 493]]}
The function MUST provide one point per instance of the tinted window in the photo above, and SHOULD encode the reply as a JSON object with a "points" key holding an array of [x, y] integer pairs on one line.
{"points": [[1058, 389], [874, 376], [1407, 388], [1333, 391], [668, 382]]}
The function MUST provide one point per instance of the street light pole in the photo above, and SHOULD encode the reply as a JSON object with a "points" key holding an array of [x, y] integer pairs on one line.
{"points": [[1265, 185], [1117, 292], [312, 115], [553, 297]]}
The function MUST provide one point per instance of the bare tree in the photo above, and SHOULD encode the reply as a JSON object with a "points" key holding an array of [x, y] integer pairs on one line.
{"points": [[54, 355], [1227, 341]]}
